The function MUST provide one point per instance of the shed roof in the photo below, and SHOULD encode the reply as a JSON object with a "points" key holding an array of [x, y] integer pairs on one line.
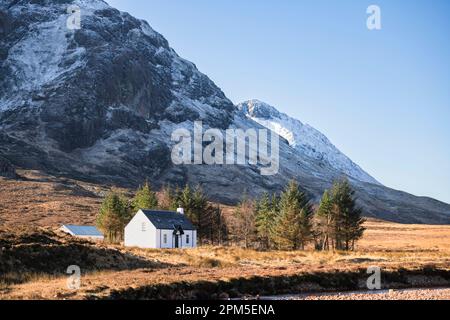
{"points": [[83, 230], [168, 220]]}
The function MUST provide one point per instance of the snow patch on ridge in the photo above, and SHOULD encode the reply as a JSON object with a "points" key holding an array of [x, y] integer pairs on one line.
{"points": [[91, 5], [42, 57], [303, 138], [38, 57]]}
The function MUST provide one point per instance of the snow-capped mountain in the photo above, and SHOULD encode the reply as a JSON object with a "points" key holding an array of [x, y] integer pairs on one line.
{"points": [[100, 103], [303, 138]]}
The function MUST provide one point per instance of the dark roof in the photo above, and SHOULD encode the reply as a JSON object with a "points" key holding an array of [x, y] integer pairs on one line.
{"points": [[84, 230], [168, 220]]}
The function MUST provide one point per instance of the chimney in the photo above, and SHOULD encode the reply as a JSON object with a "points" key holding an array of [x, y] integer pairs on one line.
{"points": [[180, 211]]}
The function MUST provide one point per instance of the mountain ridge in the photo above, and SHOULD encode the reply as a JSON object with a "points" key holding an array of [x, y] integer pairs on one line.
{"points": [[303, 137]]}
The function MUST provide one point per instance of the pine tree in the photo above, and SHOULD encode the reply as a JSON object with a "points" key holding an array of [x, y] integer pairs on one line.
{"points": [[184, 200], [113, 216], [325, 222], [201, 214], [349, 222], [145, 198], [265, 220], [198, 210], [275, 202], [189, 200], [293, 227], [200, 206]]}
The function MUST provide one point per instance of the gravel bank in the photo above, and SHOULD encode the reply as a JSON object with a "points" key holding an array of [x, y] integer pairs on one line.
{"points": [[410, 294]]}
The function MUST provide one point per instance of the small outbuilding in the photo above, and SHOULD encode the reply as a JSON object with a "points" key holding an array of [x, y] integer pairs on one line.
{"points": [[86, 232], [160, 230]]}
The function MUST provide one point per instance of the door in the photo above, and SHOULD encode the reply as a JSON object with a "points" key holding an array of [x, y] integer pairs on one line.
{"points": [[177, 245]]}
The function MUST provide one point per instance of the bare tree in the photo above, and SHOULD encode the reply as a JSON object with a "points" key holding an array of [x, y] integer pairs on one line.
{"points": [[245, 228]]}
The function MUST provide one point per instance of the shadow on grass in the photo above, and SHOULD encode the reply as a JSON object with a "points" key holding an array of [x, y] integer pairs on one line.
{"points": [[284, 285], [28, 255]]}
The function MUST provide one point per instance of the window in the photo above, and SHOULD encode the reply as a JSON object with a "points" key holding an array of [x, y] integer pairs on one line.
{"points": [[187, 239], [165, 238], [144, 227]]}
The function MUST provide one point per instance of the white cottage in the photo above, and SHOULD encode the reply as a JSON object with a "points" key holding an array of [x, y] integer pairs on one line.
{"points": [[160, 229]]}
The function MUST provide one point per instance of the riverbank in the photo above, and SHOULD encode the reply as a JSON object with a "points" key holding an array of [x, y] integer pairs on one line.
{"points": [[406, 294]]}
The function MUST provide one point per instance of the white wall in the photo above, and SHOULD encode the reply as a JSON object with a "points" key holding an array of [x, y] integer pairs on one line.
{"points": [[194, 237], [170, 244], [160, 239], [137, 236]]}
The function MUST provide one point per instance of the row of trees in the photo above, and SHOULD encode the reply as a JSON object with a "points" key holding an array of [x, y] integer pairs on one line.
{"points": [[289, 222], [117, 210], [286, 222]]}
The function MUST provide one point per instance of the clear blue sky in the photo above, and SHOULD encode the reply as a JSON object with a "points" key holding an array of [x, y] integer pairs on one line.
{"points": [[382, 97]]}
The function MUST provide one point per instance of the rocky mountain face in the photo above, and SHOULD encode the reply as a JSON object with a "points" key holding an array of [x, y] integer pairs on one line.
{"points": [[100, 104], [7, 169], [87, 101]]}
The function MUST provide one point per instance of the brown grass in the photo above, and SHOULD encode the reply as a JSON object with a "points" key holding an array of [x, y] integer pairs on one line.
{"points": [[41, 200], [409, 255]]}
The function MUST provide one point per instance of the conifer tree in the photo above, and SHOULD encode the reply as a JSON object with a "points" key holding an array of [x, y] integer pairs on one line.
{"points": [[200, 206], [191, 201], [202, 214], [275, 203], [197, 209], [184, 200], [348, 217], [293, 227], [325, 222], [145, 198], [265, 219], [113, 216]]}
